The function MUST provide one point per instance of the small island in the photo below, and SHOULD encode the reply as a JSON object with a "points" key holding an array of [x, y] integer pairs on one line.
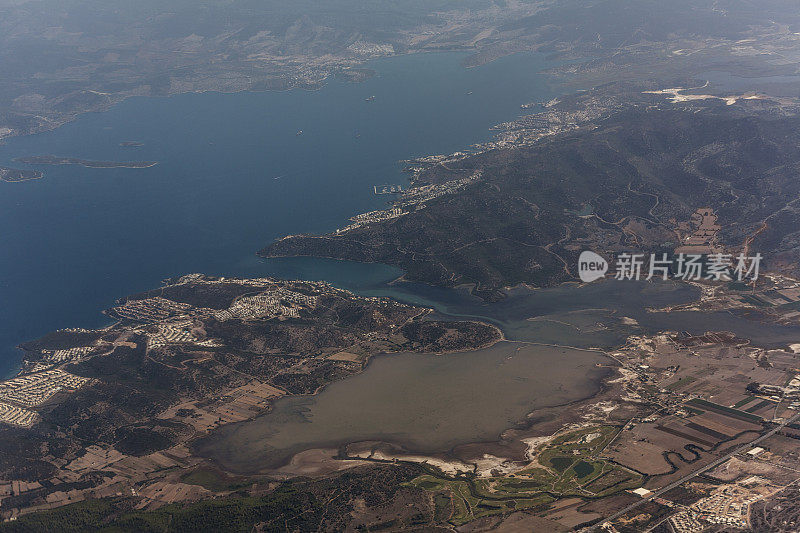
{"points": [[131, 144], [55, 160], [14, 175]]}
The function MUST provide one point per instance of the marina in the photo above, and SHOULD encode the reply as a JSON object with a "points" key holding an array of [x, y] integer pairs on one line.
{"points": [[387, 189]]}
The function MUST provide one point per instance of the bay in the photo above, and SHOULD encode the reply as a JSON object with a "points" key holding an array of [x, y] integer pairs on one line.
{"points": [[233, 174]]}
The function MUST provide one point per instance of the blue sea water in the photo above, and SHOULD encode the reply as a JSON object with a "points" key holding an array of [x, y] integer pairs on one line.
{"points": [[233, 174]]}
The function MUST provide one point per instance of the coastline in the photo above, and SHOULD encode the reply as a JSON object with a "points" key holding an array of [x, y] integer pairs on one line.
{"points": [[342, 86]]}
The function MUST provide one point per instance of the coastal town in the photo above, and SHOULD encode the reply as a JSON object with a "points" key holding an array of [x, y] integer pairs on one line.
{"points": [[19, 394], [728, 505], [163, 321], [412, 199], [17, 416]]}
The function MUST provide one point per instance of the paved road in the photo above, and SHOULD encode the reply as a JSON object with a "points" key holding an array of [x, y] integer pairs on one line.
{"points": [[696, 473]]}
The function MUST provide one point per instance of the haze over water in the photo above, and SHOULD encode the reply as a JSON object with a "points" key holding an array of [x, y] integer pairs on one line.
{"points": [[232, 175]]}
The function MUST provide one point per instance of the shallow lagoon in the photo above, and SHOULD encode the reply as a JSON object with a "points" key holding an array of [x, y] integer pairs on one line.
{"points": [[432, 403], [424, 402]]}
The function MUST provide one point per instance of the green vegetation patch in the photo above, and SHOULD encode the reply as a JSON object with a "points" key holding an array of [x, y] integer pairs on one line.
{"points": [[211, 480], [297, 509], [443, 507], [561, 463], [760, 405], [570, 469], [794, 306], [752, 299], [82, 516], [744, 401], [583, 469], [473, 499], [721, 409], [682, 382], [429, 485]]}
